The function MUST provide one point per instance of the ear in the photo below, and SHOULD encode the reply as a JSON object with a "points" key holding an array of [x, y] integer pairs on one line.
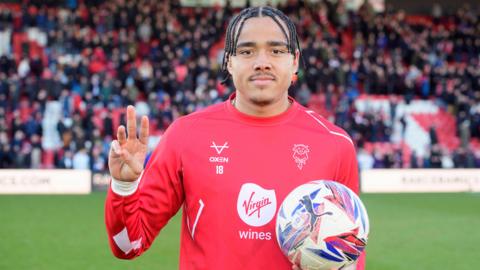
{"points": [[296, 61], [294, 79], [229, 64]]}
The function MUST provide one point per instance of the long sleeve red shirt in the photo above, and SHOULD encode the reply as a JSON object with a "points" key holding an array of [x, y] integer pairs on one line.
{"points": [[229, 172]]}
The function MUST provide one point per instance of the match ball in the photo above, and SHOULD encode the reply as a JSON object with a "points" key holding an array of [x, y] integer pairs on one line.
{"points": [[322, 225]]}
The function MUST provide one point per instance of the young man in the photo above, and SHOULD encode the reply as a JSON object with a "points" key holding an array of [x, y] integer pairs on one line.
{"points": [[229, 166]]}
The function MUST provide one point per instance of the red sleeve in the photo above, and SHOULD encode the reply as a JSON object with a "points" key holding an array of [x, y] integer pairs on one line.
{"points": [[347, 174], [347, 170], [134, 221]]}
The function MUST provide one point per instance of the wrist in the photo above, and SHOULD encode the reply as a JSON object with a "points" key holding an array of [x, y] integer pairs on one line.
{"points": [[124, 188]]}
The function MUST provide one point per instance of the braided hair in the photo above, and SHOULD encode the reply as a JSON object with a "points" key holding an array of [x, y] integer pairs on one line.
{"points": [[235, 28]]}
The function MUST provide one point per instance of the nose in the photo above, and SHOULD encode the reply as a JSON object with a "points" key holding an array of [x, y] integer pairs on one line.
{"points": [[262, 62]]}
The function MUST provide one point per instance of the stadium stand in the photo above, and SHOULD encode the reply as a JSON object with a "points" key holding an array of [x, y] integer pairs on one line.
{"points": [[405, 87]]}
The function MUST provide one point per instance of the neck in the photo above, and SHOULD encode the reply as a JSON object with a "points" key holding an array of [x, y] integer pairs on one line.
{"points": [[267, 109]]}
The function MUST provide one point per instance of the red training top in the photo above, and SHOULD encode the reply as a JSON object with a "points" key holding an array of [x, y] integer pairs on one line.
{"points": [[229, 172]]}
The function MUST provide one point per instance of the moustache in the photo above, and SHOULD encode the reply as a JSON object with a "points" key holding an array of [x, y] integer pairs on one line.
{"points": [[263, 75]]}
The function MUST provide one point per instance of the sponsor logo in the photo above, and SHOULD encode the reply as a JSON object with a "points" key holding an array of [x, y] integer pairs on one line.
{"points": [[256, 206], [219, 169], [219, 148], [300, 154], [254, 235], [218, 159], [252, 207]]}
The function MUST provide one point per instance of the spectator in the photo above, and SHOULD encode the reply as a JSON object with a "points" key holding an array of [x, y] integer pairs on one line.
{"points": [[36, 152], [435, 157], [66, 161], [6, 156], [164, 55], [365, 160], [81, 160]]}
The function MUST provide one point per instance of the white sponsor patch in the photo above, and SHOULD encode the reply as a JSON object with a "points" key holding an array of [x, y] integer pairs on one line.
{"points": [[256, 206]]}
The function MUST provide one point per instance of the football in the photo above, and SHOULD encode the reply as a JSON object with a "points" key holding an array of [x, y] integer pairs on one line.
{"points": [[322, 225]]}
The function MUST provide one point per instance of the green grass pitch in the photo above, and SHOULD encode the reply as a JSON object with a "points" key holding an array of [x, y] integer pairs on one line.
{"points": [[408, 231]]}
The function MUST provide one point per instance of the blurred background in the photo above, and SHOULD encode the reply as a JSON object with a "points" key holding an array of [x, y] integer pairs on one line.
{"points": [[401, 77]]}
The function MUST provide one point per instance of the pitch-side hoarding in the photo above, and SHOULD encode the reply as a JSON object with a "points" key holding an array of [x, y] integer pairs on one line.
{"points": [[420, 180], [45, 181]]}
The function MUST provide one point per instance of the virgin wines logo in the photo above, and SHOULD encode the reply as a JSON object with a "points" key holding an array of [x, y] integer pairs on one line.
{"points": [[252, 207], [256, 206]]}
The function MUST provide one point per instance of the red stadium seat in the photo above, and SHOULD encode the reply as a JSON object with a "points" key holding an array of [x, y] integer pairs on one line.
{"points": [[48, 159]]}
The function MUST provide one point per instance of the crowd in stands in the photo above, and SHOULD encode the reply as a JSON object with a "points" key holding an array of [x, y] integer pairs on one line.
{"points": [[95, 58]]}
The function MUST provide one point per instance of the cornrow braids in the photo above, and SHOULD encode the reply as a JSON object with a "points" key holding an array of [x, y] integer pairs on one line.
{"points": [[236, 25]]}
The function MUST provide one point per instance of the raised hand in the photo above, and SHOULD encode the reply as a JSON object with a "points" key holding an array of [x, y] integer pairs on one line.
{"points": [[128, 153]]}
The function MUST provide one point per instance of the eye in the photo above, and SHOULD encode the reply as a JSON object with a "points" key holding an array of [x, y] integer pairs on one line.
{"points": [[279, 51], [245, 52]]}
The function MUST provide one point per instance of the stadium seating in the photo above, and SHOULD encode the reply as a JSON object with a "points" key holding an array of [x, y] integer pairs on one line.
{"points": [[386, 78]]}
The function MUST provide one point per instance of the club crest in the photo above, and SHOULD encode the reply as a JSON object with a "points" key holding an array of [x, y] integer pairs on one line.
{"points": [[300, 154]]}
